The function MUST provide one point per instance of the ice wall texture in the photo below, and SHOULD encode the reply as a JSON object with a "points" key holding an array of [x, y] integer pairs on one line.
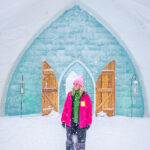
{"points": [[73, 35]]}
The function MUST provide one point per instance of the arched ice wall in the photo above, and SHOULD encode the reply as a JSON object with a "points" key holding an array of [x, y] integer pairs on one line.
{"points": [[75, 34], [127, 28]]}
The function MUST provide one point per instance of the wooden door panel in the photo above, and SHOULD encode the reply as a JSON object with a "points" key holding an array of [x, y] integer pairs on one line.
{"points": [[49, 90], [105, 90]]}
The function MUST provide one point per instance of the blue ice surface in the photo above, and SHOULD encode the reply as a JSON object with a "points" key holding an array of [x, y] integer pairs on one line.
{"points": [[73, 35]]}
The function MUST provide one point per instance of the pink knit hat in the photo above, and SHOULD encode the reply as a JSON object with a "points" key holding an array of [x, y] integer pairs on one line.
{"points": [[79, 80]]}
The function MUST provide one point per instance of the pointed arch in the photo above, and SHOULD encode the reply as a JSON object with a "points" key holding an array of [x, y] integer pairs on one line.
{"points": [[63, 73], [40, 47]]}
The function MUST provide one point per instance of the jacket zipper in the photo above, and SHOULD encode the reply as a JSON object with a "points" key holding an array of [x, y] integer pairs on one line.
{"points": [[71, 110], [79, 109]]}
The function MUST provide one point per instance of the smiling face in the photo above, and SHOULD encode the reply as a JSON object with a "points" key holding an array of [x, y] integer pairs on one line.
{"points": [[76, 86]]}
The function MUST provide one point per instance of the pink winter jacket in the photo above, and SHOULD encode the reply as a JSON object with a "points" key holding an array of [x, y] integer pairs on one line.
{"points": [[85, 111]]}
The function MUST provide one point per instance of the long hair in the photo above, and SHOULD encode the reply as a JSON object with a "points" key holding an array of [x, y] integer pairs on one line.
{"points": [[81, 90]]}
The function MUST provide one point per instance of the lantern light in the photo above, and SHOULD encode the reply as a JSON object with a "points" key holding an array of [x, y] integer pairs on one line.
{"points": [[135, 87]]}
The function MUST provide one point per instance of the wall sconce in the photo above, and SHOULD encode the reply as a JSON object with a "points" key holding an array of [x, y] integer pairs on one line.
{"points": [[22, 86], [134, 84], [134, 90], [21, 91]]}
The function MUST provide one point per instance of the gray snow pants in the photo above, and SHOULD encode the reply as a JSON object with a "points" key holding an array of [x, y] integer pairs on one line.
{"points": [[81, 137]]}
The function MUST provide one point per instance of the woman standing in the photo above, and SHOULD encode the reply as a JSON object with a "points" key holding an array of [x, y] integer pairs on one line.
{"points": [[77, 115]]}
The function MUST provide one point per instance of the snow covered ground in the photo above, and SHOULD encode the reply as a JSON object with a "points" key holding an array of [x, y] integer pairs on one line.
{"points": [[36, 132]]}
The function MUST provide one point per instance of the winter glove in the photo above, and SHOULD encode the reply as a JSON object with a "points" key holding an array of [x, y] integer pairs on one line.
{"points": [[63, 124], [87, 127]]}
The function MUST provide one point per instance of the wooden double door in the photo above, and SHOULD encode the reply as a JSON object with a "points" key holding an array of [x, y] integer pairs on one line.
{"points": [[105, 90], [49, 90]]}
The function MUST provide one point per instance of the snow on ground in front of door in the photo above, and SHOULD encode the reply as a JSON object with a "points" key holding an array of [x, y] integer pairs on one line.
{"points": [[36, 132]]}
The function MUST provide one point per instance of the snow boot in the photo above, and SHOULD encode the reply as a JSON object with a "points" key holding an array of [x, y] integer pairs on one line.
{"points": [[80, 146], [69, 145]]}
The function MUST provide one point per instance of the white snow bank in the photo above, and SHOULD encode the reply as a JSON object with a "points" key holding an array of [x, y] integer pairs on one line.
{"points": [[35, 132]]}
